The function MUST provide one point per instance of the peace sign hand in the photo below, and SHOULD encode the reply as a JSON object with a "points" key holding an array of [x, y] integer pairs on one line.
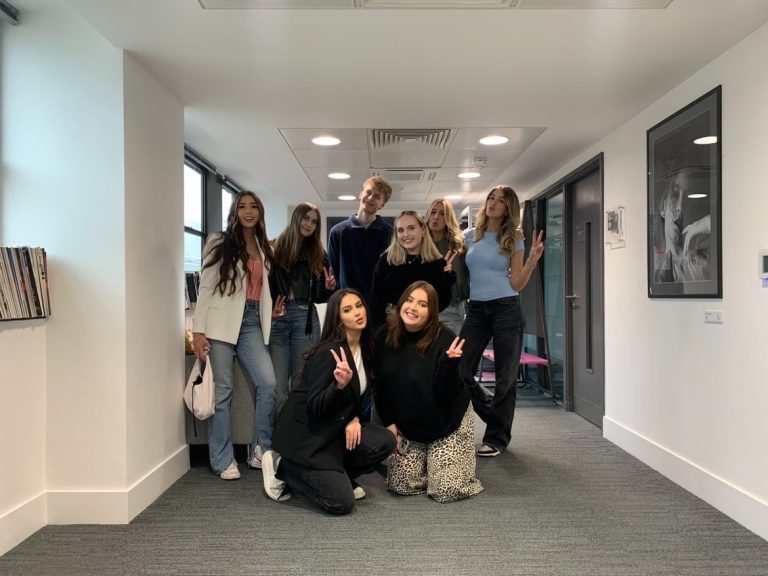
{"points": [[342, 373], [330, 280], [449, 256], [279, 309], [537, 248], [454, 351]]}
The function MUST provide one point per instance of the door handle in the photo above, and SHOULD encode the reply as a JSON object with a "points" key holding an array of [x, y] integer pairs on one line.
{"points": [[573, 299]]}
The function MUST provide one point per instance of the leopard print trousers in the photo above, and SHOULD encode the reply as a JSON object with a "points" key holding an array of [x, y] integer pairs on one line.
{"points": [[444, 469]]}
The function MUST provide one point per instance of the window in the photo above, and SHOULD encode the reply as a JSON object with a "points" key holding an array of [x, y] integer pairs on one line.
{"points": [[226, 201], [194, 230]]}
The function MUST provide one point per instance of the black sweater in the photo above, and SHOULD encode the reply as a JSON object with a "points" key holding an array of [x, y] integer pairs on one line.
{"points": [[389, 282], [424, 397]]}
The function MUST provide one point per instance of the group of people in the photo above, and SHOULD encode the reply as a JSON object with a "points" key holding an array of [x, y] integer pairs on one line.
{"points": [[391, 376]]}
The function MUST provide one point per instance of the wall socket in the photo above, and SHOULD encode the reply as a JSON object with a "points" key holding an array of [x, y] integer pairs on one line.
{"points": [[713, 316]]}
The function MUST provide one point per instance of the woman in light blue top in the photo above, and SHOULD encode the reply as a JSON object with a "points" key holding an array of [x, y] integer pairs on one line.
{"points": [[497, 273]]}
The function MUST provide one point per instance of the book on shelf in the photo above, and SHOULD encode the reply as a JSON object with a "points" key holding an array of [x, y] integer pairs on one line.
{"points": [[23, 283]]}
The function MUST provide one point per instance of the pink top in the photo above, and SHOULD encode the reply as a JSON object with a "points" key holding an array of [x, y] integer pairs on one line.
{"points": [[256, 268]]}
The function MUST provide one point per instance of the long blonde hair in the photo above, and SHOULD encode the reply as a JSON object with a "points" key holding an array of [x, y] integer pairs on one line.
{"points": [[396, 254], [510, 226], [452, 229]]}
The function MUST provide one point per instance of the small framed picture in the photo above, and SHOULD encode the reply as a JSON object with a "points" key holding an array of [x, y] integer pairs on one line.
{"points": [[615, 219]]}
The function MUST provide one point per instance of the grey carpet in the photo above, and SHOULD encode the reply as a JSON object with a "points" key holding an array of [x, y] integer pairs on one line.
{"points": [[563, 501]]}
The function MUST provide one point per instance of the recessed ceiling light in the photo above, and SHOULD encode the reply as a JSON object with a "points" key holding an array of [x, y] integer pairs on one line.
{"points": [[494, 140], [326, 141], [453, 197], [697, 195], [468, 175], [706, 140], [339, 176], [347, 197]]}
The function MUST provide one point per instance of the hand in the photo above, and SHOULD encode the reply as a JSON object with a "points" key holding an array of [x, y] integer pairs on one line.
{"points": [[200, 345], [454, 351], [278, 311], [396, 433], [449, 256], [353, 433], [330, 280], [342, 373], [537, 249], [702, 227]]}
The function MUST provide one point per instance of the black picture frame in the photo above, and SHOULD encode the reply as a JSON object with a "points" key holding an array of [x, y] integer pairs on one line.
{"points": [[684, 202]]}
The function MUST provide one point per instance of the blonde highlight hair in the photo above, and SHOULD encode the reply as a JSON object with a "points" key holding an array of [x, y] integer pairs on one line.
{"points": [[510, 225], [452, 229], [396, 254]]}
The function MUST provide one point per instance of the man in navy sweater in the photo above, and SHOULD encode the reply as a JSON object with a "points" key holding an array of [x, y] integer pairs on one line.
{"points": [[354, 245]]}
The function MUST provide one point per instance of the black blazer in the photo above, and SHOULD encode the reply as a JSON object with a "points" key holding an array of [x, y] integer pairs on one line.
{"points": [[310, 428]]}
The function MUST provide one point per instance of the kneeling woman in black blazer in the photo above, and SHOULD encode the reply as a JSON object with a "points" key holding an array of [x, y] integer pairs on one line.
{"points": [[321, 443]]}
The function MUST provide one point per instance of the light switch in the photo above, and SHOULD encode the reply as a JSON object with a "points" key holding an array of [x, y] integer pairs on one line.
{"points": [[713, 316]]}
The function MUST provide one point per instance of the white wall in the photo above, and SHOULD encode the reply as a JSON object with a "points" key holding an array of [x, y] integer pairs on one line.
{"points": [[686, 397], [74, 181], [154, 201]]}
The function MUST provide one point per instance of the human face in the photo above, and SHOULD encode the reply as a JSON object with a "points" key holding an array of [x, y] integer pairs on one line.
{"points": [[352, 313], [248, 212], [371, 200], [409, 233], [495, 205], [309, 223], [415, 311], [437, 218]]}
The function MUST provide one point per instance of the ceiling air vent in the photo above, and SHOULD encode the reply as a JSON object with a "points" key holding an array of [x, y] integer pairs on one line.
{"points": [[401, 176], [432, 138]]}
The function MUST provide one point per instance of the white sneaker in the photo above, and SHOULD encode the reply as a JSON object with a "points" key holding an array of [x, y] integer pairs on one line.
{"points": [[274, 487], [255, 461], [231, 473], [358, 491]]}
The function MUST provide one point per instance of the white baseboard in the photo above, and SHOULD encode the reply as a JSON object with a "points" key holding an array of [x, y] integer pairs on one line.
{"points": [[116, 506], [745, 508], [21, 522]]}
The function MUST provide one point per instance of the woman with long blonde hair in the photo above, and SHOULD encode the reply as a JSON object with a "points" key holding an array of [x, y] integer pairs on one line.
{"points": [[411, 256], [447, 235], [497, 274]]}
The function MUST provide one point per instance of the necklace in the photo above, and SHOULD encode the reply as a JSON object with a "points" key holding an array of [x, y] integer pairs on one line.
{"points": [[411, 258]]}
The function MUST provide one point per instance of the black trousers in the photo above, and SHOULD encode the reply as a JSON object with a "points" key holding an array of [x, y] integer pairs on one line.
{"points": [[332, 489]]}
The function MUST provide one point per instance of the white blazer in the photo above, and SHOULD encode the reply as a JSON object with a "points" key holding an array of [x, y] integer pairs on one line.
{"points": [[220, 317]]}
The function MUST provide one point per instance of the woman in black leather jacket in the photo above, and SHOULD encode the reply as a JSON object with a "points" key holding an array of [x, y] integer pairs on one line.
{"points": [[301, 275]]}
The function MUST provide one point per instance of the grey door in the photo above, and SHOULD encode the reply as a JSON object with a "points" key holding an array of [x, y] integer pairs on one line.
{"points": [[584, 296]]}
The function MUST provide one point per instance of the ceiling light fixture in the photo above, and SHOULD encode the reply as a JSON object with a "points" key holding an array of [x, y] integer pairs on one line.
{"points": [[326, 141], [697, 195], [493, 140], [468, 175], [347, 197], [339, 176], [704, 140]]}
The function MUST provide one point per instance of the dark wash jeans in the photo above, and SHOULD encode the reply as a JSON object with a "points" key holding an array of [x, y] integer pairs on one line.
{"points": [[332, 489], [502, 320]]}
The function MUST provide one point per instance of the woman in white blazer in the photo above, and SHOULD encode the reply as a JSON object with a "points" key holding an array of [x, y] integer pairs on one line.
{"points": [[233, 315]]}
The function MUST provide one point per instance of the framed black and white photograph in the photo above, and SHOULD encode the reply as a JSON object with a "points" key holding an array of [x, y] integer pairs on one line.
{"points": [[684, 193]]}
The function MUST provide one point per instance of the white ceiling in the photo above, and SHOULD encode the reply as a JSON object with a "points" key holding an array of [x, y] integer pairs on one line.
{"points": [[257, 84]]}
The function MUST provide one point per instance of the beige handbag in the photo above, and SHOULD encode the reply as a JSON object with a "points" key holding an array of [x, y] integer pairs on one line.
{"points": [[199, 394]]}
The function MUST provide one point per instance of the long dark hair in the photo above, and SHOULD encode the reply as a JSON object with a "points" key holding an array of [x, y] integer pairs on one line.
{"points": [[396, 328], [334, 331], [231, 249], [291, 245]]}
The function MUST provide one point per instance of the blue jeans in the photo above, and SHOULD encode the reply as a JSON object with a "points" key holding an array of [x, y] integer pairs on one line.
{"points": [[287, 343], [257, 365], [502, 320]]}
